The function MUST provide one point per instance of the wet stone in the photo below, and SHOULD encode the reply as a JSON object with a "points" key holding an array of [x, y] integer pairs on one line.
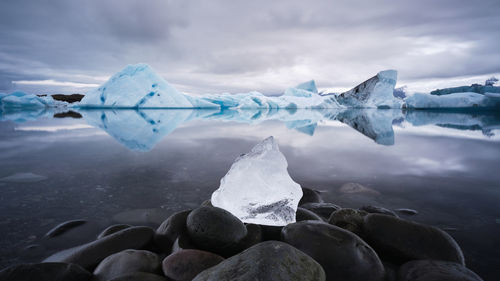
{"points": [[342, 254], [45, 272], [407, 212], [323, 210], [348, 219], [125, 262], [310, 196], [170, 229], [433, 270], [112, 229], [304, 214], [405, 240], [378, 210], [184, 265], [63, 227], [271, 260], [140, 276]]}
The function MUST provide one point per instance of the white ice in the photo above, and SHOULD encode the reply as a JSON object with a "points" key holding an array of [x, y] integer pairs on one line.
{"points": [[258, 189], [21, 100], [457, 100]]}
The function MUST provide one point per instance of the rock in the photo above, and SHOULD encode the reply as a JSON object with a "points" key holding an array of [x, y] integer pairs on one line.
{"points": [[112, 229], [90, 254], [52, 271], [270, 232], [207, 203], [348, 219], [184, 265], [63, 227], [214, 229], [323, 210], [271, 260], [170, 229], [378, 210], [432, 270], [125, 262], [140, 276], [304, 214], [406, 240], [354, 187], [183, 242], [254, 236], [342, 254], [310, 196], [408, 212]]}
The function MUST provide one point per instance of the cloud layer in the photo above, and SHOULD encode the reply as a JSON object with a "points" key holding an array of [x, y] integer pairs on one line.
{"points": [[213, 46]]}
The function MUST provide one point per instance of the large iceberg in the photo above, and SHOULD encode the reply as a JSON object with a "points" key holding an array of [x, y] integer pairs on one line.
{"points": [[451, 101], [258, 189], [138, 86], [21, 100]]}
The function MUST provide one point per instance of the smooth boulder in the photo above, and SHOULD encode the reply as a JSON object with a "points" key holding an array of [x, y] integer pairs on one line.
{"points": [[433, 270], [310, 196], [407, 240], [90, 254], [348, 219], [184, 265], [214, 229], [304, 215], [378, 210], [125, 262], [323, 210], [343, 255], [53, 271], [140, 276], [112, 229], [170, 229], [270, 260]]}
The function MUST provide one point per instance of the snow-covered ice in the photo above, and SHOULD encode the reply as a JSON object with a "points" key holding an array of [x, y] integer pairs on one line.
{"points": [[258, 189], [21, 100], [456, 100]]}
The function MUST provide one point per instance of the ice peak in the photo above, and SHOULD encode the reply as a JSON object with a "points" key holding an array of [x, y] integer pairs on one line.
{"points": [[308, 86]]}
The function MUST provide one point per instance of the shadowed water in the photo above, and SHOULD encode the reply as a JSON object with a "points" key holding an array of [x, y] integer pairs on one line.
{"points": [[137, 167]]}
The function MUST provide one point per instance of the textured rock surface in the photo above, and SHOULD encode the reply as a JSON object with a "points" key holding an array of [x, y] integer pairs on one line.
{"points": [[170, 229], [271, 260], [408, 240], [125, 262], [343, 255], [184, 265], [349, 219]]}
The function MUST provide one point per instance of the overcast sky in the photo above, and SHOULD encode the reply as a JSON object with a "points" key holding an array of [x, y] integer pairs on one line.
{"points": [[231, 46]]}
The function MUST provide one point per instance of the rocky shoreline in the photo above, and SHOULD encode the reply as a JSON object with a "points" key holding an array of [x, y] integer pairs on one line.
{"points": [[208, 243]]}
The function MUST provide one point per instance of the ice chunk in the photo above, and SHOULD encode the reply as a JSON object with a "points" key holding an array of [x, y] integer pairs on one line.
{"points": [[138, 86], [456, 100], [23, 100], [376, 92], [308, 86], [257, 189]]}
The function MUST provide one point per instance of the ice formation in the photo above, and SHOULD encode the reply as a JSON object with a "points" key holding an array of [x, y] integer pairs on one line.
{"points": [[257, 188], [456, 100], [21, 100]]}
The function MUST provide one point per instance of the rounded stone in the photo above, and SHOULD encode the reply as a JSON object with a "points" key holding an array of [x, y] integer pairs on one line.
{"points": [[270, 260], [343, 255], [214, 229], [304, 215], [348, 219], [140, 276], [406, 240], [310, 196], [433, 270], [170, 229], [51, 271], [184, 265], [323, 210], [125, 262], [112, 229], [378, 210]]}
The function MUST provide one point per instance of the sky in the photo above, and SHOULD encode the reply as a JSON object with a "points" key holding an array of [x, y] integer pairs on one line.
{"points": [[202, 46]]}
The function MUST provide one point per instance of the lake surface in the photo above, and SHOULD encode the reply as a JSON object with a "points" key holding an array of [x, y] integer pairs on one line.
{"points": [[138, 167]]}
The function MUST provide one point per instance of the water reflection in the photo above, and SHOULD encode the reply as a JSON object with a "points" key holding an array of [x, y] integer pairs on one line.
{"points": [[141, 130]]}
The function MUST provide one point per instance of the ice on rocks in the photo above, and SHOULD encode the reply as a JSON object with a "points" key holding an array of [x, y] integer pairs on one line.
{"points": [[258, 189]]}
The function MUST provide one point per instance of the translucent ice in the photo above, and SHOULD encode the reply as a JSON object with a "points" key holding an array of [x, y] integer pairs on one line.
{"points": [[455, 100], [21, 100], [257, 189]]}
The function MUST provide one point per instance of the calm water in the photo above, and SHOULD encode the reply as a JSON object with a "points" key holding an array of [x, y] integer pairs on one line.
{"points": [[139, 167]]}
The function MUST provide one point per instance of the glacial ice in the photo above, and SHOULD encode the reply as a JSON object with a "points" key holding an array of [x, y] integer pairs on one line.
{"points": [[258, 189], [21, 100], [456, 100]]}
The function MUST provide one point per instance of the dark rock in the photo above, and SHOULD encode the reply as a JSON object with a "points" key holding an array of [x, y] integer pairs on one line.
{"points": [[207, 203], [69, 113], [112, 229], [304, 215], [214, 229], [254, 236], [271, 260], [378, 210], [349, 219], [170, 229], [183, 242], [391, 271], [125, 262], [45, 272], [323, 210], [68, 98], [406, 240], [140, 276], [343, 255], [408, 212], [90, 254], [432, 270], [184, 265], [271, 232], [310, 196], [63, 227]]}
